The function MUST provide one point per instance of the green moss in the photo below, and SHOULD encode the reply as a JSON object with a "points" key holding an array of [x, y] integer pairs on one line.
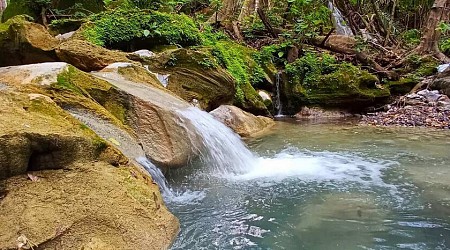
{"points": [[240, 62], [415, 69], [75, 87], [116, 27], [319, 80]]}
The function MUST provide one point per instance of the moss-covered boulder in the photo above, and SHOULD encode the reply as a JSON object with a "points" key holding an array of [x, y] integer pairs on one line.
{"points": [[20, 7], [87, 56], [321, 81], [241, 63], [25, 42], [194, 74]]}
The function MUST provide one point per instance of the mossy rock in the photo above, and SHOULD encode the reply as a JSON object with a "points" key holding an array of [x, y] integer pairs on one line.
{"points": [[194, 74], [24, 42], [339, 86], [20, 7], [240, 62], [413, 71]]}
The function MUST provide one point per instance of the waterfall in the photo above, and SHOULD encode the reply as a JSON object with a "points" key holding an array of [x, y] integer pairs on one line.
{"points": [[278, 104], [338, 21], [223, 151]]}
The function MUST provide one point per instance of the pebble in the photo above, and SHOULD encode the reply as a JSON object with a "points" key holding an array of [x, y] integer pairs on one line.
{"points": [[423, 109]]}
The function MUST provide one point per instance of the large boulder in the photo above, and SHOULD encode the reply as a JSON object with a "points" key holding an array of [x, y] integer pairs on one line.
{"points": [[243, 123], [193, 75], [61, 185], [24, 42], [322, 81], [88, 206], [87, 56], [153, 115], [35, 135], [126, 96]]}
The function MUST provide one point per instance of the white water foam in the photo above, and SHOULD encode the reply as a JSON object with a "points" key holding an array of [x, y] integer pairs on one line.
{"points": [[169, 195], [317, 166]]}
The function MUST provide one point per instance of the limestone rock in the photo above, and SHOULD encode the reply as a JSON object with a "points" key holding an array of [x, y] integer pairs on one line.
{"points": [[166, 140], [87, 56], [89, 206], [192, 75], [126, 96], [243, 123], [24, 42]]}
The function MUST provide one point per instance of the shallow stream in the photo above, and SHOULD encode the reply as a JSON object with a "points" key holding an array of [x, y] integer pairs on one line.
{"points": [[322, 186]]}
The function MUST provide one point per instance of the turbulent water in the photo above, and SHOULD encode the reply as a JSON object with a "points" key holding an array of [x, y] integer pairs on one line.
{"points": [[318, 186]]}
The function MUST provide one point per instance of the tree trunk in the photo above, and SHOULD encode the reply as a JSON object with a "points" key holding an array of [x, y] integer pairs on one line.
{"points": [[429, 43], [3, 4]]}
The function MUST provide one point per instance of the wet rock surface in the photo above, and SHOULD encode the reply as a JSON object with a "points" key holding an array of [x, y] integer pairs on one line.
{"points": [[426, 108]]}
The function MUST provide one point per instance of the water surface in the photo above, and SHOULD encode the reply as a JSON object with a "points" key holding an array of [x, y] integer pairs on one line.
{"points": [[322, 186]]}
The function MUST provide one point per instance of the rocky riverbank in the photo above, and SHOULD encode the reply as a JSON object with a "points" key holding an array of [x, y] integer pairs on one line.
{"points": [[426, 108]]}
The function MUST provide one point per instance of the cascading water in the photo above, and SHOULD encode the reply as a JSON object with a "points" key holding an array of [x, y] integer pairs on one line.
{"points": [[338, 21], [223, 151], [278, 104], [156, 174]]}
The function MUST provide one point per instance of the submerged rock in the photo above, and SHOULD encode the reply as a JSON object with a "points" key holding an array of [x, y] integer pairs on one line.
{"points": [[317, 113], [243, 123]]}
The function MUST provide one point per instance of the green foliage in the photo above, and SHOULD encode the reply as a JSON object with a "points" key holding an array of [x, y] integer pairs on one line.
{"points": [[411, 37], [123, 26], [445, 46], [310, 67], [307, 18]]}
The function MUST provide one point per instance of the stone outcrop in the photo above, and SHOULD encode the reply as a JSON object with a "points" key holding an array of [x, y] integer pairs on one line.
{"points": [[88, 206], [243, 123], [61, 185], [87, 56], [153, 116], [193, 75], [125, 95], [24, 42]]}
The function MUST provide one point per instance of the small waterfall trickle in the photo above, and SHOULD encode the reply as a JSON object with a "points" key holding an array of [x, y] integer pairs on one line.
{"points": [[338, 21], [278, 104], [224, 152], [156, 174]]}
